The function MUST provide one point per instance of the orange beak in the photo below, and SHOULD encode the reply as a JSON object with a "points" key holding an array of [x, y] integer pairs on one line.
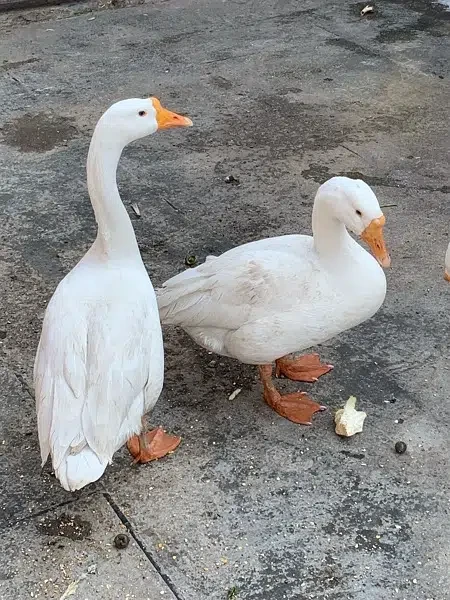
{"points": [[167, 119], [373, 236], [446, 275]]}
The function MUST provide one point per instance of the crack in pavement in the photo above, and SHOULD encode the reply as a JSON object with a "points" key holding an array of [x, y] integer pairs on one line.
{"points": [[125, 521]]}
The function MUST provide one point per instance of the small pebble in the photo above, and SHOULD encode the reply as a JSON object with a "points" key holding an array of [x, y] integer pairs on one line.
{"points": [[121, 541], [232, 179], [190, 260], [400, 447], [2, 334]]}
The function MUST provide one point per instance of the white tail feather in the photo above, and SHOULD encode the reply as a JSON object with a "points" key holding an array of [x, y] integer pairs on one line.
{"points": [[78, 470]]}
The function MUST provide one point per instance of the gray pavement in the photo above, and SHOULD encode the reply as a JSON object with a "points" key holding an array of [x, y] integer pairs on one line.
{"points": [[283, 95]]}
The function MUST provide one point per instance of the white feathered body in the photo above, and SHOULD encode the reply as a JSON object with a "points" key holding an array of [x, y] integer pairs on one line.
{"points": [[99, 365], [265, 299]]}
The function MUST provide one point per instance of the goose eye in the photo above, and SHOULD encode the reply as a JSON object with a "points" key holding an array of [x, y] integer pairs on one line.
{"points": [[142, 113], [359, 213]]}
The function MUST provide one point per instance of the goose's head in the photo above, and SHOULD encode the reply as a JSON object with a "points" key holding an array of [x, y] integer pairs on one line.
{"points": [[132, 119], [354, 203], [447, 264]]}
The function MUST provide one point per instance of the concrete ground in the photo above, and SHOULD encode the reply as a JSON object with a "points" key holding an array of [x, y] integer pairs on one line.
{"points": [[283, 95]]}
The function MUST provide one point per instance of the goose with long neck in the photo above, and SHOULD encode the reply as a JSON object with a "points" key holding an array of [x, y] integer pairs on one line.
{"points": [[99, 364], [263, 301], [115, 235]]}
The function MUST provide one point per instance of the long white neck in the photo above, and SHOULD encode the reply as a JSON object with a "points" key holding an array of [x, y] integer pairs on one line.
{"points": [[331, 238], [115, 235]]}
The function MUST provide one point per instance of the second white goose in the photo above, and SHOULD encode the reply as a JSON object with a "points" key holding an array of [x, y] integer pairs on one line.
{"points": [[264, 300]]}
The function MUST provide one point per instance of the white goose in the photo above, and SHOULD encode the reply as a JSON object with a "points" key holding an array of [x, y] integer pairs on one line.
{"points": [[264, 300], [100, 361]]}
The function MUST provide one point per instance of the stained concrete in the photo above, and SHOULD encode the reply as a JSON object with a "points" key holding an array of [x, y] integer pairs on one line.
{"points": [[72, 548], [283, 96]]}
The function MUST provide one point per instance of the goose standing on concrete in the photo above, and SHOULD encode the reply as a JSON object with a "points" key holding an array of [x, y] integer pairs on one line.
{"points": [[100, 361], [265, 300]]}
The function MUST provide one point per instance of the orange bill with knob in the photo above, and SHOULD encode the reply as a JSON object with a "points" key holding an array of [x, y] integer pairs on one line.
{"points": [[373, 236], [166, 118]]}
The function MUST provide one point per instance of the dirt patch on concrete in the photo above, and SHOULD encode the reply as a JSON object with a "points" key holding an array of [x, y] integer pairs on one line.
{"points": [[38, 133], [68, 526]]}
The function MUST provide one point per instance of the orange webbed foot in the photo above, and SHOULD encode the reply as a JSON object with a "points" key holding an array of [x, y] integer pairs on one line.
{"points": [[297, 407], [152, 445], [307, 368]]}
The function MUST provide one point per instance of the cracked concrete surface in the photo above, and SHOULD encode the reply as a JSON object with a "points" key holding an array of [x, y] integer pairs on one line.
{"points": [[283, 95]]}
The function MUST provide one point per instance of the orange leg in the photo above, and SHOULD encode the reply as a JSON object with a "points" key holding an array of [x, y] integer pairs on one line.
{"points": [[303, 368], [151, 445], [297, 407]]}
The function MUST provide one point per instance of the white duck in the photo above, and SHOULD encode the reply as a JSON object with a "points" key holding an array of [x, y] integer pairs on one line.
{"points": [[100, 361], [264, 300], [447, 264]]}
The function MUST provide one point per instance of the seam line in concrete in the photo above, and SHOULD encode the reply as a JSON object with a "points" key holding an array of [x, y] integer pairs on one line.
{"points": [[142, 546], [39, 513]]}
